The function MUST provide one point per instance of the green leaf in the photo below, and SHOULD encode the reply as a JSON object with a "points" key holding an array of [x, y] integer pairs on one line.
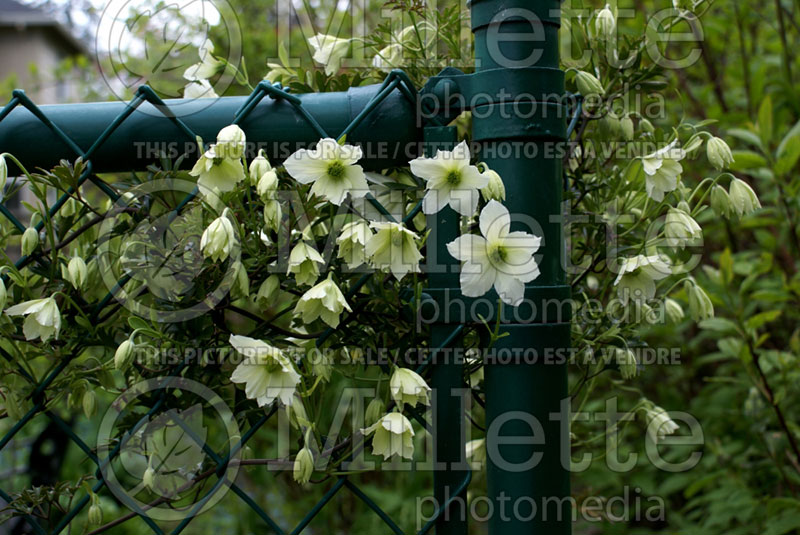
{"points": [[282, 54], [747, 136], [137, 323], [722, 325], [787, 158], [747, 159], [793, 132], [759, 320], [765, 120]]}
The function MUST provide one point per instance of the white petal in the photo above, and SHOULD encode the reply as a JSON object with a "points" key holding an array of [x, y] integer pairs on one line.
{"points": [[510, 289], [468, 247], [464, 201], [430, 168], [494, 221], [305, 167], [476, 279]]}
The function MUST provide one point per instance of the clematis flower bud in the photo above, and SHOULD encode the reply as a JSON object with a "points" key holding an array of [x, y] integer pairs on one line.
{"points": [[718, 153], [3, 172], [30, 240], [626, 126], [149, 477], [77, 272], [258, 167], [89, 403], [605, 24], [494, 189], [267, 184], [95, 514], [674, 310], [700, 305], [588, 84], [123, 356], [626, 361], [303, 466], [272, 214], [659, 424]]}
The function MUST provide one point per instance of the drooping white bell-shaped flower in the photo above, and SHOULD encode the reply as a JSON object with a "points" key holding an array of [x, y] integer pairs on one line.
{"points": [[266, 371]]}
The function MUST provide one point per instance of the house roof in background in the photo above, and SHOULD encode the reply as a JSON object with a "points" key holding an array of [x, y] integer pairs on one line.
{"points": [[16, 14]]}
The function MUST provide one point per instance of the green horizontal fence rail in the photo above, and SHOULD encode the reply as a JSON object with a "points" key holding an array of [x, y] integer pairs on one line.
{"points": [[106, 136]]}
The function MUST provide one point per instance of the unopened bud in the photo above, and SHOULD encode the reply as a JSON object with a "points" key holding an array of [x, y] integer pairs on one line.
{"points": [[588, 84], [124, 355], [77, 272], [30, 240], [95, 514], [303, 466]]}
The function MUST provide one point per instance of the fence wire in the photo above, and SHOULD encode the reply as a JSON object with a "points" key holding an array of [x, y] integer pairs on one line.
{"points": [[396, 80]]}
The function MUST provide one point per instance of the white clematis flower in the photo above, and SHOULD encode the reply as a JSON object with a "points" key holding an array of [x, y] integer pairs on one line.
{"points": [[743, 199], [325, 300], [393, 436], [637, 276], [352, 243], [499, 258], [266, 371], [393, 246], [304, 262], [214, 171], [43, 318], [450, 180], [329, 51], [662, 170], [208, 65], [199, 89], [331, 168], [681, 229], [659, 424], [218, 239], [407, 386], [231, 142]]}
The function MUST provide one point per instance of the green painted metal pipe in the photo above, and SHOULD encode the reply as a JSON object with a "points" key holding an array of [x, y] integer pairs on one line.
{"points": [[275, 125], [447, 372], [526, 444]]}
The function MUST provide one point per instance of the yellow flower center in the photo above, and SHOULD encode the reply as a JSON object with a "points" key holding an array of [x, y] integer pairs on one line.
{"points": [[336, 170]]}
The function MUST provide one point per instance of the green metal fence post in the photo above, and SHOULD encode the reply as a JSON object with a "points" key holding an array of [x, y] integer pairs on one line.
{"points": [[516, 54], [447, 372]]}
